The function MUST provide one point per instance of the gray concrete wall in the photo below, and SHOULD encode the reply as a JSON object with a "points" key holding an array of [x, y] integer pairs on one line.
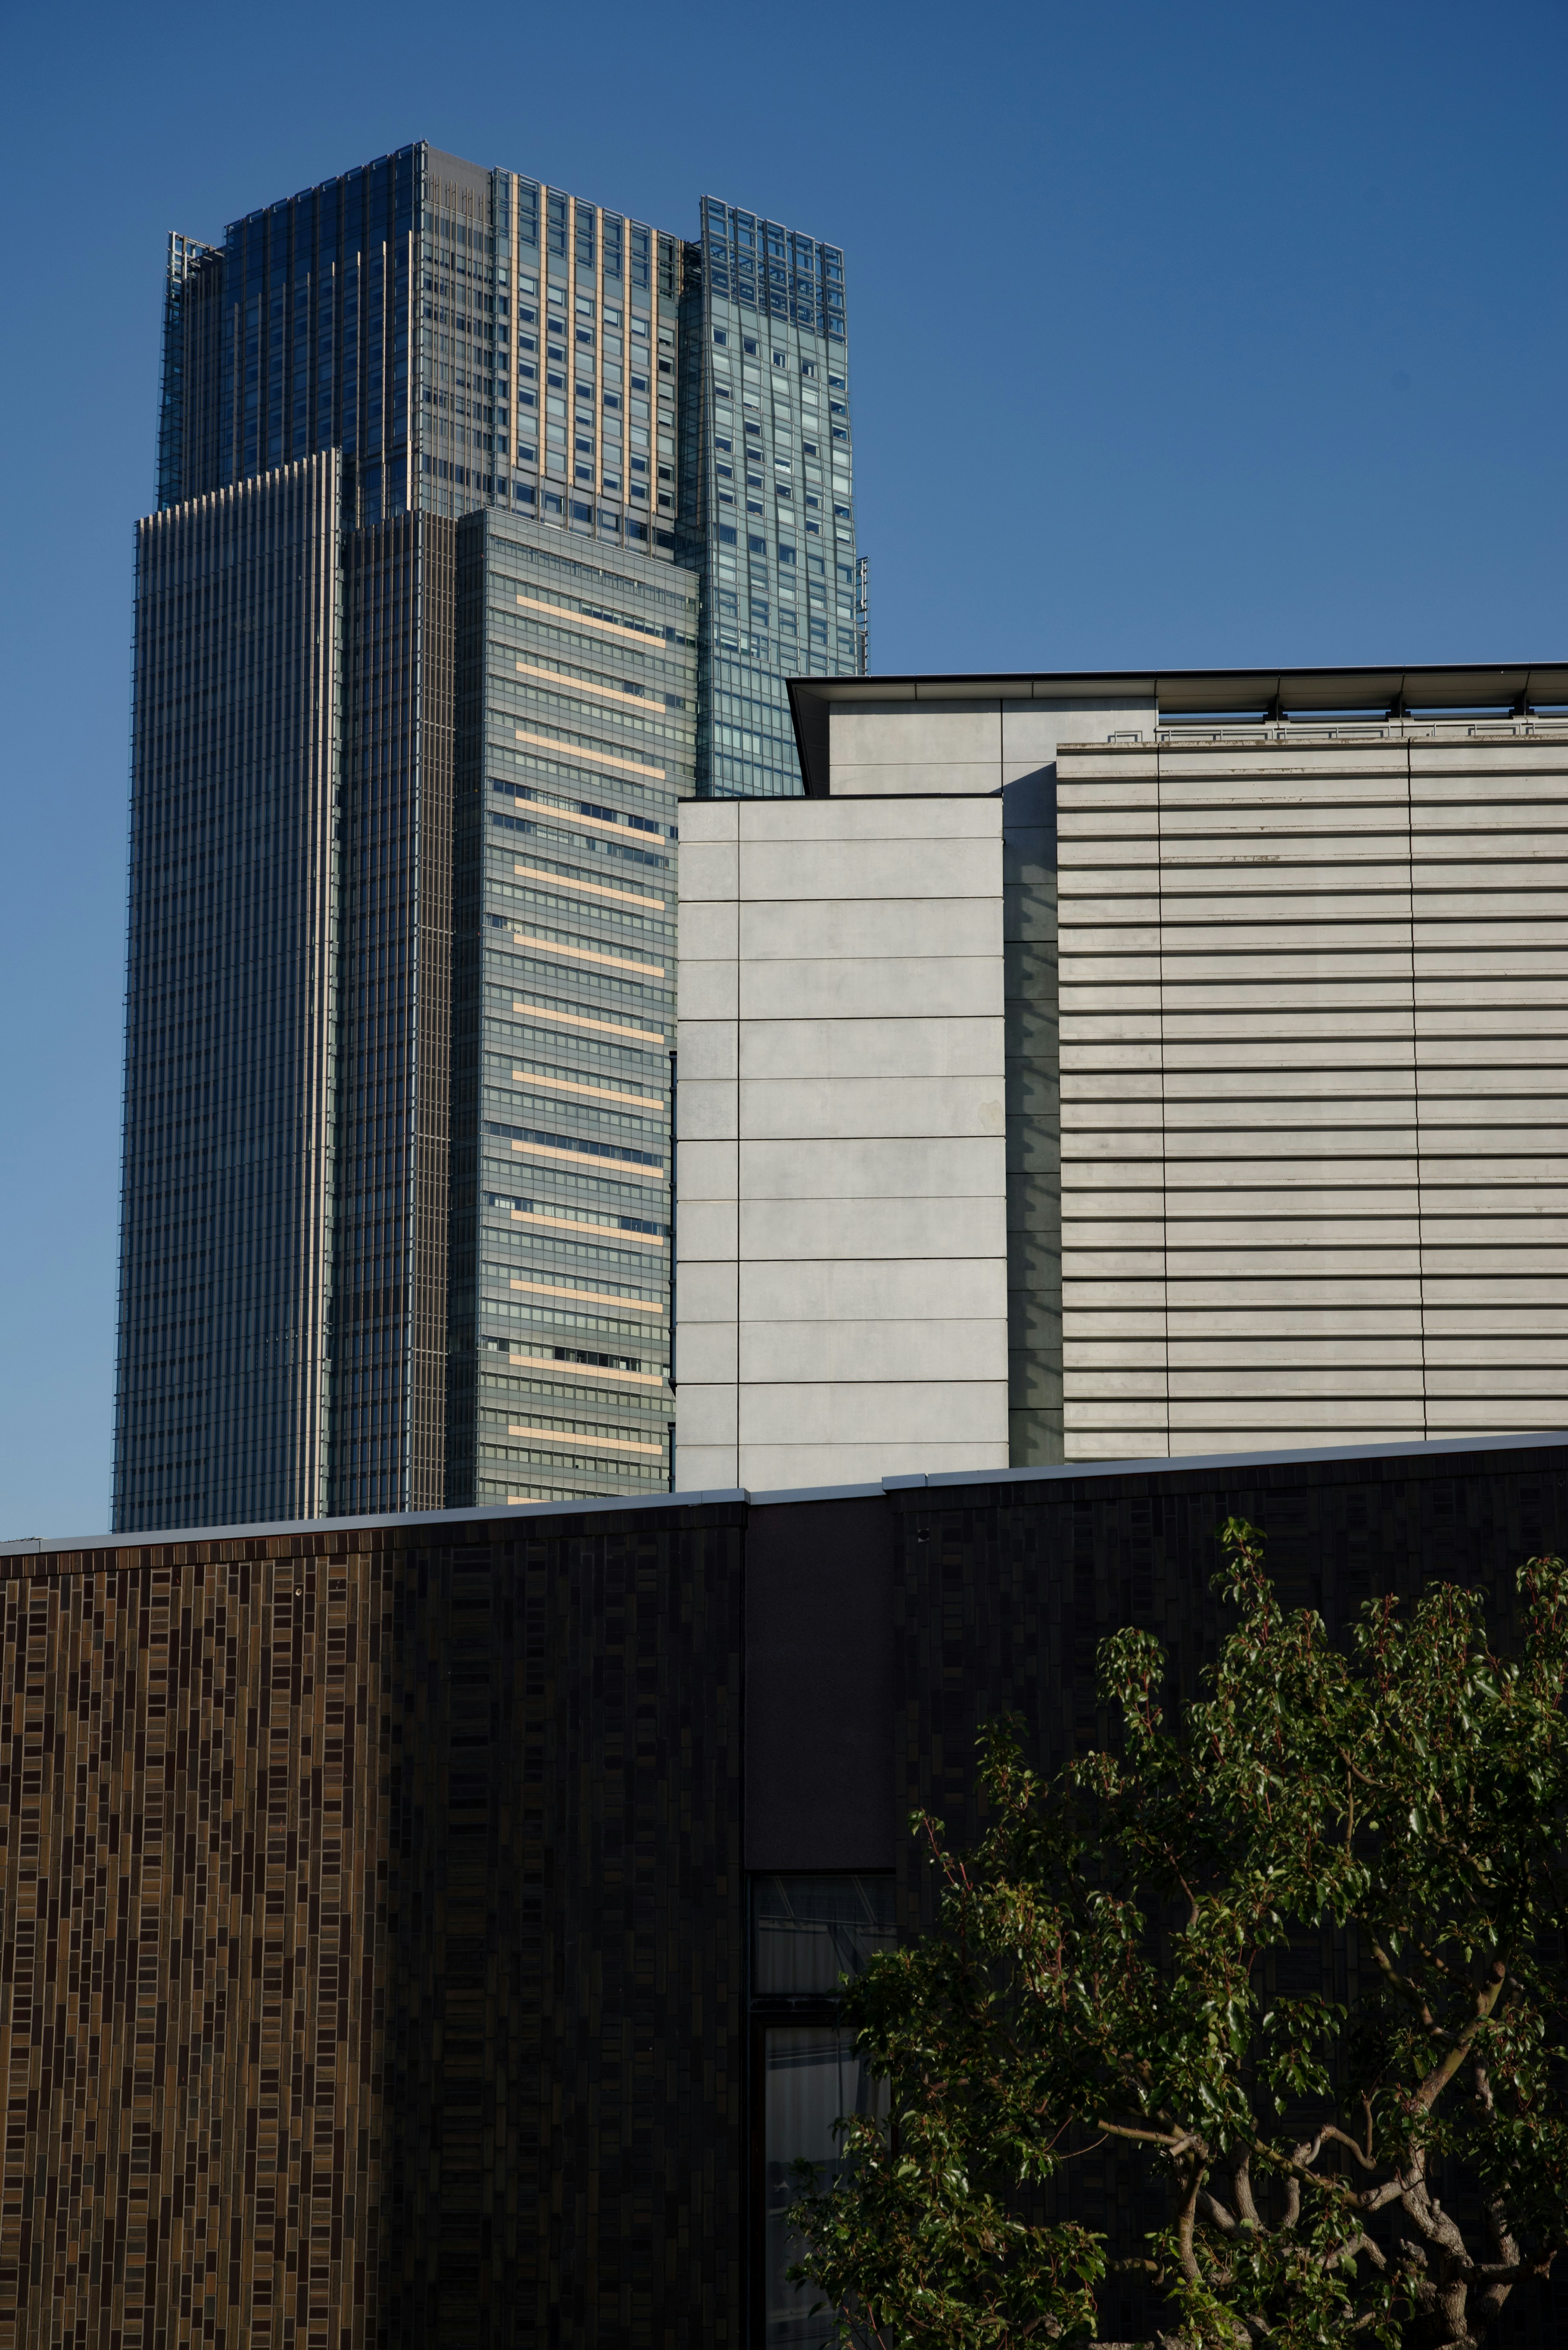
{"points": [[1313, 998], [977, 747], [841, 1288]]}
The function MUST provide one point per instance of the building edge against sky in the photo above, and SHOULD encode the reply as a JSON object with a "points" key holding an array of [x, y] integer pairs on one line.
{"points": [[536, 631]]}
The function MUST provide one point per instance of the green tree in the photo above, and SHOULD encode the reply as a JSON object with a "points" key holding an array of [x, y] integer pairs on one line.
{"points": [[1103, 1974]]}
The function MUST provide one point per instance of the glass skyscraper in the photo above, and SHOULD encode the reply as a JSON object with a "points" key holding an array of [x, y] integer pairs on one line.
{"points": [[490, 525]]}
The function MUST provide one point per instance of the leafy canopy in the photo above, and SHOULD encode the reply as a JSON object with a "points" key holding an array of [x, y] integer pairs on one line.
{"points": [[1103, 1975]]}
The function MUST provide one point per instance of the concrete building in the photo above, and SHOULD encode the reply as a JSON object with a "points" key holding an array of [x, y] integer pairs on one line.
{"points": [[1127, 1063], [426, 1930]]}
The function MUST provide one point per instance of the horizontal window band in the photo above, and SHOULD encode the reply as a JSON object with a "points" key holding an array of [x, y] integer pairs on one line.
{"points": [[581, 1020], [583, 1370], [570, 1442], [568, 684], [593, 889], [592, 1093], [616, 1167], [587, 1296], [587, 954], [586, 822], [587, 758], [586, 619], [573, 1224]]}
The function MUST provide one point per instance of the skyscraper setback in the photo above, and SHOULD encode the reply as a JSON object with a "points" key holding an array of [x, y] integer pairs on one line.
{"points": [[489, 526]]}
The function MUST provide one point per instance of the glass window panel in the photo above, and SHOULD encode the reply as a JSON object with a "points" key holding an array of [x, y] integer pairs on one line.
{"points": [[809, 1932], [811, 2076]]}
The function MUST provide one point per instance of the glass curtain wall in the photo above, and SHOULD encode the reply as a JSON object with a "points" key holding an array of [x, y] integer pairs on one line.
{"points": [[808, 1934], [389, 1338], [646, 430], [770, 460], [223, 1388], [578, 727]]}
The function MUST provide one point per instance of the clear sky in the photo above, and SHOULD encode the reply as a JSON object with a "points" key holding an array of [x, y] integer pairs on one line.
{"points": [[1179, 335]]}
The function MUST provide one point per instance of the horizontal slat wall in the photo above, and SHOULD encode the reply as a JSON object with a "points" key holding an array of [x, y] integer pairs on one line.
{"points": [[1313, 1106]]}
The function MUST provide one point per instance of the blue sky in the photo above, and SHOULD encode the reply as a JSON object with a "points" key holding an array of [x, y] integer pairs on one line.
{"points": [[1179, 335]]}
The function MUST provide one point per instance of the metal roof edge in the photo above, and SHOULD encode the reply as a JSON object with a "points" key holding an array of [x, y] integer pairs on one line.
{"points": [[709, 1497], [593, 1505], [1159, 1465]]}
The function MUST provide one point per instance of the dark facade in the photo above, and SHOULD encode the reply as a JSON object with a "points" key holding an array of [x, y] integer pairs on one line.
{"points": [[231, 1005], [417, 1931]]}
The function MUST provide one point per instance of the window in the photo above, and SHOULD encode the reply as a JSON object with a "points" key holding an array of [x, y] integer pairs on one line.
{"points": [[584, 306], [755, 545], [748, 347], [808, 367], [719, 335], [781, 359], [808, 1934]]}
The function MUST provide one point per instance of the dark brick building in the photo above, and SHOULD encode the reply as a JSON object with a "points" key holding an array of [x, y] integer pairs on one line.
{"points": [[419, 1931]]}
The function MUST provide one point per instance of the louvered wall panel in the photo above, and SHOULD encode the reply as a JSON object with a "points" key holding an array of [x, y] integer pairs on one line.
{"points": [[1314, 1113]]}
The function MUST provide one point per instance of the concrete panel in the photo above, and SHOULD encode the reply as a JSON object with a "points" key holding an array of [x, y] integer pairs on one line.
{"points": [[777, 1467], [938, 779], [705, 1415], [868, 1048], [706, 1293], [709, 991], [914, 736], [803, 1232], [708, 1110], [705, 1171], [959, 1168], [870, 1412], [708, 1049], [854, 929], [706, 1355], [884, 1289], [964, 818], [869, 870], [709, 870], [698, 1467], [1033, 731], [708, 933], [706, 1231], [946, 1353], [779, 1107], [913, 985], [702, 821]]}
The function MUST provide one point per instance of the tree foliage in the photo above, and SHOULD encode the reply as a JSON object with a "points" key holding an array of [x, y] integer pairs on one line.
{"points": [[1106, 1973]]}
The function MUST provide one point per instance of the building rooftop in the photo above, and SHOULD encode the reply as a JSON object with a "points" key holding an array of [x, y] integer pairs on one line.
{"points": [[970, 1479], [1235, 695]]}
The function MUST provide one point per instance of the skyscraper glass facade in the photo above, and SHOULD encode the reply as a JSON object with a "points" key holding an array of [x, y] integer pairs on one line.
{"points": [[590, 506], [584, 663], [228, 1195], [770, 499]]}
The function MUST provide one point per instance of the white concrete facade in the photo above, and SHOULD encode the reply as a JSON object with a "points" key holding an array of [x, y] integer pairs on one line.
{"points": [[1277, 1011], [841, 1285], [1315, 1084]]}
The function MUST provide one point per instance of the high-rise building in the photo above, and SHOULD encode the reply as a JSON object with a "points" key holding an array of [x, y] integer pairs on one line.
{"points": [[490, 525]]}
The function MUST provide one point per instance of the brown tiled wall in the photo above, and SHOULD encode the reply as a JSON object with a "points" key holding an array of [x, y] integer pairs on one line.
{"points": [[372, 1940]]}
